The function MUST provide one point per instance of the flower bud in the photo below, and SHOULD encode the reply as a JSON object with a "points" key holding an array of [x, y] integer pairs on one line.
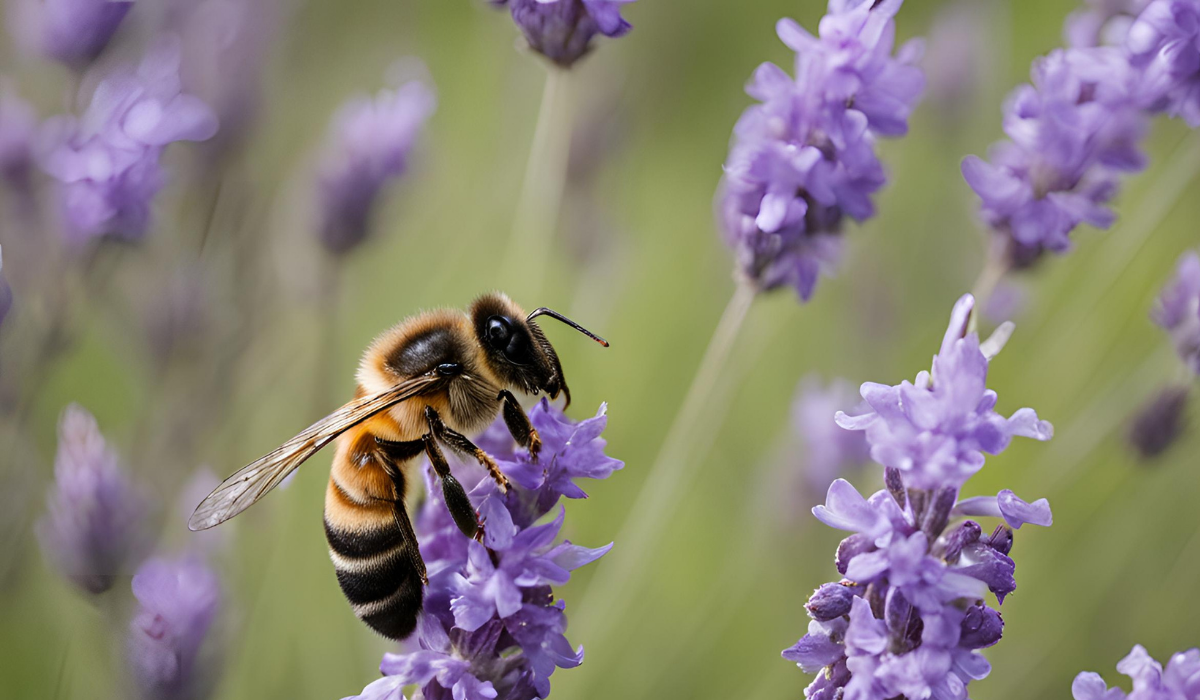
{"points": [[829, 602]]}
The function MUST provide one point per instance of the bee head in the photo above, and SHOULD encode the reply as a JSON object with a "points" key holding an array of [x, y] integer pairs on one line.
{"points": [[515, 348]]}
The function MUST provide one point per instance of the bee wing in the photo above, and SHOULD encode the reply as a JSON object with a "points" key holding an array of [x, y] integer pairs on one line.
{"points": [[253, 481]]}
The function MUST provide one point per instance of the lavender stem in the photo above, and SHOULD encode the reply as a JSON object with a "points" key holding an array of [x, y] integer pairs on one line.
{"points": [[606, 597], [542, 188]]}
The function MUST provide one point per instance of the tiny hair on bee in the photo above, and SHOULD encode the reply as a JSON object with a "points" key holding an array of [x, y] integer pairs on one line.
{"points": [[424, 386]]}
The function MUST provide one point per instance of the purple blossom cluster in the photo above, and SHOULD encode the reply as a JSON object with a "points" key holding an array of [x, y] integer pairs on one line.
{"points": [[562, 30], [1180, 680], [491, 627], [107, 161], [804, 158], [178, 600], [94, 528], [1079, 125], [911, 611], [368, 147]]}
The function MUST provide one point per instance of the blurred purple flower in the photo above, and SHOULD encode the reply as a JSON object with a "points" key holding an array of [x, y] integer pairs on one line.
{"points": [[936, 429], [562, 30], [95, 524], [1102, 22], [71, 31], [177, 601], [1159, 422], [225, 46], [107, 161], [1179, 681], [1073, 131], [1164, 42], [829, 451], [804, 158], [910, 614], [491, 626], [367, 147], [18, 125], [960, 52], [1178, 309], [386, 688]]}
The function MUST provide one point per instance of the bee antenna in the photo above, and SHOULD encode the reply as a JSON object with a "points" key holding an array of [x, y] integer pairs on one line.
{"points": [[543, 311]]}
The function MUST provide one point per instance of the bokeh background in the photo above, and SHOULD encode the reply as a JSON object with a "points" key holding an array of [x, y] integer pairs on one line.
{"points": [[636, 257]]}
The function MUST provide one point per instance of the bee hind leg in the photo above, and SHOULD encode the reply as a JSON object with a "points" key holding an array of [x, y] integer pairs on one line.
{"points": [[459, 443], [519, 425], [452, 491]]}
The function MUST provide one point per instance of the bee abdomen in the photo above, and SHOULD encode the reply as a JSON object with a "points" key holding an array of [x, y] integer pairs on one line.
{"points": [[376, 572]]}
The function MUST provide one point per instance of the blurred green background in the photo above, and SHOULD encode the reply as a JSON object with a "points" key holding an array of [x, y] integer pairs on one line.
{"points": [[637, 259]]}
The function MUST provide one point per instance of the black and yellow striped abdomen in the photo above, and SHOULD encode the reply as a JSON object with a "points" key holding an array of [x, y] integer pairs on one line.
{"points": [[371, 541]]}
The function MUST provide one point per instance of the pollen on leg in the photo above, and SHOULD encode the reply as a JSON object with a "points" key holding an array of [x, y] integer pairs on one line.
{"points": [[493, 469], [535, 445]]}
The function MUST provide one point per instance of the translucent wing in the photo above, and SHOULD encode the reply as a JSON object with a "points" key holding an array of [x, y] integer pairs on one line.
{"points": [[252, 482]]}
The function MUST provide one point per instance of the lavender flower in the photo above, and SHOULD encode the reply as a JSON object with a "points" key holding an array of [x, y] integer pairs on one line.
{"points": [[1164, 42], [1178, 310], [368, 146], [936, 429], [225, 50], [177, 601], [107, 161], [1180, 680], [71, 31], [804, 158], [491, 627], [1159, 422], [828, 450], [95, 524], [911, 614], [562, 30], [1073, 131], [18, 125]]}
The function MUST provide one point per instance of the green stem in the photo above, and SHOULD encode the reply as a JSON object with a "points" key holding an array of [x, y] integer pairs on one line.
{"points": [[608, 594], [542, 188]]}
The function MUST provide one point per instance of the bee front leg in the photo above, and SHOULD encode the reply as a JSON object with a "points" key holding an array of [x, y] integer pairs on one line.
{"points": [[519, 425], [459, 443], [456, 498]]}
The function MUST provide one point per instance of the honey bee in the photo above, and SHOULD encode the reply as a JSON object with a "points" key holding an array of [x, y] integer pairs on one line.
{"points": [[428, 382]]}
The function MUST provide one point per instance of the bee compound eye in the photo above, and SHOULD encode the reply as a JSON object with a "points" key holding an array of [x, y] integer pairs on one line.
{"points": [[499, 330]]}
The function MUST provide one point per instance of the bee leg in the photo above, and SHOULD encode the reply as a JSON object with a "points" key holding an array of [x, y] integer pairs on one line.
{"points": [[459, 443], [456, 498], [518, 424]]}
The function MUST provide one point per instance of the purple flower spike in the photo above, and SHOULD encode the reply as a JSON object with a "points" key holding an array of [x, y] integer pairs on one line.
{"points": [[1073, 131], [1178, 310], [1164, 41], [562, 30], [804, 158], [937, 429], [367, 148], [94, 527], [177, 601], [1180, 680], [491, 626], [107, 161], [911, 613], [71, 31]]}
